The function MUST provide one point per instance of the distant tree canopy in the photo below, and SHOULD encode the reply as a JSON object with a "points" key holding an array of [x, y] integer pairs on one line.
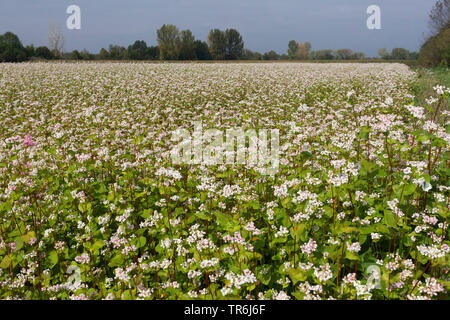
{"points": [[225, 45], [180, 45], [174, 44], [271, 55], [340, 54], [55, 41], [168, 41], [298, 51], [137, 51], [292, 49], [251, 55], [439, 17], [187, 46], [43, 53], [436, 50], [11, 49], [325, 54], [397, 54], [216, 43], [234, 45], [117, 52], [201, 50]]}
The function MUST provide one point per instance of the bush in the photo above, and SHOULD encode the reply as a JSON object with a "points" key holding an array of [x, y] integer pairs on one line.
{"points": [[11, 49], [44, 53], [436, 50]]}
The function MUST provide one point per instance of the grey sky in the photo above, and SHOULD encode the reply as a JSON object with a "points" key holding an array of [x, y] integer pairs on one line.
{"points": [[264, 24]]}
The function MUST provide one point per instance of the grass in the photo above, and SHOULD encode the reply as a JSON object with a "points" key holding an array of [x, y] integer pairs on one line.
{"points": [[427, 79]]}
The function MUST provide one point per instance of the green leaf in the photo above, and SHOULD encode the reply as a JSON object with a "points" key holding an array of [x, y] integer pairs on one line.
{"points": [[116, 261], [6, 262], [350, 255], [297, 275], [203, 216], [364, 133], [140, 242], [225, 221], [389, 218], [367, 165], [53, 257], [443, 211], [98, 244], [298, 295], [409, 189], [298, 230]]}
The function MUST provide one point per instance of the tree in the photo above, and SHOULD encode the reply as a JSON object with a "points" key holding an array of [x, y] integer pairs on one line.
{"points": [[436, 50], [11, 49], [302, 52], [55, 40], [292, 49], [413, 56], [383, 53], [168, 41], [153, 53], [358, 56], [439, 17], [217, 44], [307, 46], [86, 55], [187, 46], [43, 53], [138, 50], [103, 54], [343, 54], [75, 55], [322, 55], [234, 45], [251, 55], [201, 50], [399, 54], [30, 51], [117, 52], [271, 55]]}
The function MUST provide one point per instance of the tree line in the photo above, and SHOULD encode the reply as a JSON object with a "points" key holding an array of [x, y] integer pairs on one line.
{"points": [[175, 44], [436, 49]]}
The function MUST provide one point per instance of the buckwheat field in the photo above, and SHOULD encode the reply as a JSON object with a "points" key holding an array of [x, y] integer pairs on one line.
{"points": [[92, 205]]}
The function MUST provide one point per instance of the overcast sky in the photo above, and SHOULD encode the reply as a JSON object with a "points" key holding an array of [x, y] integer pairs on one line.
{"points": [[264, 24]]}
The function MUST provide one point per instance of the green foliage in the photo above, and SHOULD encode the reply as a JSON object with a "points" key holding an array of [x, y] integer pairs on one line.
{"points": [[168, 37], [234, 45], [201, 50], [43, 53], [217, 44], [292, 49], [436, 50], [11, 49], [271, 55], [187, 46]]}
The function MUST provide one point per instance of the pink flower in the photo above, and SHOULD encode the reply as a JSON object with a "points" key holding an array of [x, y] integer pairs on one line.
{"points": [[28, 140], [309, 247], [12, 245]]}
